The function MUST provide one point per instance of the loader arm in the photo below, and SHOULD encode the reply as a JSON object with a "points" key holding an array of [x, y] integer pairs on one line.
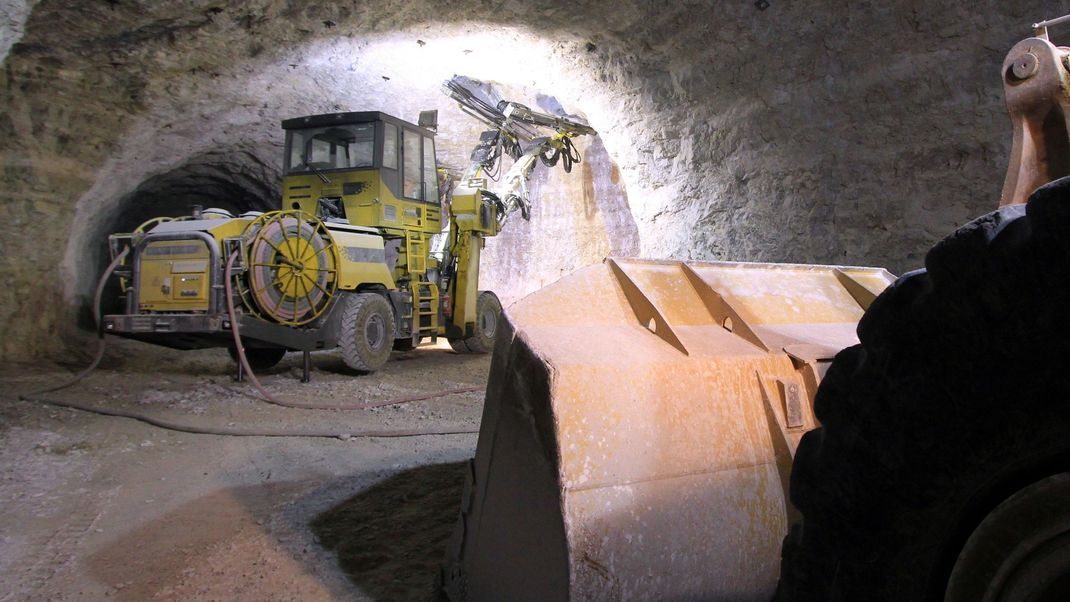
{"points": [[1036, 83]]}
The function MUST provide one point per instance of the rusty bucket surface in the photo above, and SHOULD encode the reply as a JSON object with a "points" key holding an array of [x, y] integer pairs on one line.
{"points": [[639, 426]]}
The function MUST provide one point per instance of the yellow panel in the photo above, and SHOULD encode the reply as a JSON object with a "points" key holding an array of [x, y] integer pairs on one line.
{"points": [[228, 228], [362, 260], [197, 266], [464, 203], [190, 287], [368, 202], [169, 279]]}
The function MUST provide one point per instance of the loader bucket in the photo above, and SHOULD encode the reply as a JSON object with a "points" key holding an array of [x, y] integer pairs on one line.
{"points": [[639, 426]]}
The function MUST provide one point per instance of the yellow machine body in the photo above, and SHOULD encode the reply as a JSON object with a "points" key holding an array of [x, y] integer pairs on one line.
{"points": [[362, 260], [362, 213], [472, 219], [639, 428], [371, 204], [175, 274], [374, 206], [391, 185]]}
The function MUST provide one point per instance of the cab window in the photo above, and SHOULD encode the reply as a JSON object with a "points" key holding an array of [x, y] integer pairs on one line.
{"points": [[390, 146], [430, 176], [411, 175], [335, 147]]}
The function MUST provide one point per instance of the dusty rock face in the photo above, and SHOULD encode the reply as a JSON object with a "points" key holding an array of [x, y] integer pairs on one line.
{"points": [[580, 218], [836, 133]]}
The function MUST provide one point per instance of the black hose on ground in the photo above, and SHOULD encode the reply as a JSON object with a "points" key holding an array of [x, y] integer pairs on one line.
{"points": [[234, 432], [244, 432]]}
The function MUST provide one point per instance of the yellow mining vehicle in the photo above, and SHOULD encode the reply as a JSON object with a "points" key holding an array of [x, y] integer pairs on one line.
{"points": [[373, 247], [638, 445]]}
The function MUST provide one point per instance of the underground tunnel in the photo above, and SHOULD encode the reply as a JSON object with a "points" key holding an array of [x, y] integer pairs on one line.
{"points": [[717, 147], [235, 181], [813, 136]]}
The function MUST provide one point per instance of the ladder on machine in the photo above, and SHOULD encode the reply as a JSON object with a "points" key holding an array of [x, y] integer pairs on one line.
{"points": [[425, 294], [425, 302]]}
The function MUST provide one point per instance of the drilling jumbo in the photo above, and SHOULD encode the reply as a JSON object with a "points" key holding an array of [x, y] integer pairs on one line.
{"points": [[374, 247]]}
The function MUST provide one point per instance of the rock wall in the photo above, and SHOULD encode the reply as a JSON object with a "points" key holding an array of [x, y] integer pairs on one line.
{"points": [[13, 14], [831, 132]]}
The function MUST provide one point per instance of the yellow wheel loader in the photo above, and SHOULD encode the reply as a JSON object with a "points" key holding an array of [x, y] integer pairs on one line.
{"points": [[639, 444], [366, 251]]}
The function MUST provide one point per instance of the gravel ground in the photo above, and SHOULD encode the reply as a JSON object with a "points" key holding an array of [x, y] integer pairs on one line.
{"points": [[94, 506]]}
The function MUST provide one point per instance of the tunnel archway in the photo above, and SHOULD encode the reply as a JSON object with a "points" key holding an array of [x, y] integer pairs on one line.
{"points": [[234, 180]]}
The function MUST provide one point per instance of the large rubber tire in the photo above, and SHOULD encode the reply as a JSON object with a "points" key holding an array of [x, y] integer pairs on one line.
{"points": [[367, 334], [956, 398], [259, 359], [488, 317]]}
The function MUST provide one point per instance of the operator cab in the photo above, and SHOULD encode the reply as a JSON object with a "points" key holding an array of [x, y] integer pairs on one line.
{"points": [[366, 169]]}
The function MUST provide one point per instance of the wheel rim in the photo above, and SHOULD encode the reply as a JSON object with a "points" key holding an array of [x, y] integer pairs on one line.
{"points": [[1008, 558], [488, 323], [1043, 575], [375, 332]]}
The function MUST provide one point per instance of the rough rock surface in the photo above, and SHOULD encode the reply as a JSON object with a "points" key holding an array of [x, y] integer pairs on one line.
{"points": [[804, 131]]}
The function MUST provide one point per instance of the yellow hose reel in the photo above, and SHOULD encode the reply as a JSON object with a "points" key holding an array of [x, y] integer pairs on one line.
{"points": [[292, 267]]}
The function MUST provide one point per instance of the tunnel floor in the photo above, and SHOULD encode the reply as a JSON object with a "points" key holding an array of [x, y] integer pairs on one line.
{"points": [[94, 506]]}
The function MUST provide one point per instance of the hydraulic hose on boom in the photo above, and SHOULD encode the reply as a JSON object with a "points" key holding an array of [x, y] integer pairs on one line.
{"points": [[528, 137], [515, 131]]}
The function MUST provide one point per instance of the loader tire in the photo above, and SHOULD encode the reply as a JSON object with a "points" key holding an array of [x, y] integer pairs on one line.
{"points": [[957, 398], [367, 333], [488, 317], [259, 359]]}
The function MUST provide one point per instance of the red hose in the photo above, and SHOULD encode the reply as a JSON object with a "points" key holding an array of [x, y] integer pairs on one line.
{"points": [[268, 397]]}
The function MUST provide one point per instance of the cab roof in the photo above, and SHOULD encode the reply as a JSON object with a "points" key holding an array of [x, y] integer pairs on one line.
{"points": [[328, 119]]}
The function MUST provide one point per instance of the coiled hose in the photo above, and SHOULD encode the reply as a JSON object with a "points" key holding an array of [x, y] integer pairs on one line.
{"points": [[238, 431], [568, 154]]}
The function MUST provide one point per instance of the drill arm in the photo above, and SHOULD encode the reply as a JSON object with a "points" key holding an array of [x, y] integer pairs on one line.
{"points": [[515, 131]]}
